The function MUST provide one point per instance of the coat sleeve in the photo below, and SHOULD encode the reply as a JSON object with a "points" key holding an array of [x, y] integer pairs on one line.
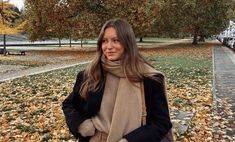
{"points": [[73, 108], [158, 119]]}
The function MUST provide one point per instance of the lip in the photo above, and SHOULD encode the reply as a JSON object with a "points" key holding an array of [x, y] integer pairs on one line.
{"points": [[110, 53]]}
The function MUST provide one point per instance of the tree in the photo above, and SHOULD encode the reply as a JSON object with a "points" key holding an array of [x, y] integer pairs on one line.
{"points": [[37, 20], [192, 17], [139, 13], [50, 19], [170, 20], [9, 17], [84, 21], [59, 24], [84, 18], [208, 17]]}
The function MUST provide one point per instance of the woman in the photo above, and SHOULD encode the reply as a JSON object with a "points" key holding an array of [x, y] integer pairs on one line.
{"points": [[106, 103]]}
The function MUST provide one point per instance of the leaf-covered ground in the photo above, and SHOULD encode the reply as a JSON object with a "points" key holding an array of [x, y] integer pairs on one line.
{"points": [[189, 76], [31, 106], [38, 58]]}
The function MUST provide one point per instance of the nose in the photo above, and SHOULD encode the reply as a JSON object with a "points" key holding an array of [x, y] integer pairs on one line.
{"points": [[109, 45]]}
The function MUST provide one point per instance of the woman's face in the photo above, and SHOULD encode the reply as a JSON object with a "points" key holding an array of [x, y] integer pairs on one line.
{"points": [[111, 46]]}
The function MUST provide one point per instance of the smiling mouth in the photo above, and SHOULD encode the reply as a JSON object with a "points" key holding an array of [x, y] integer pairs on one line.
{"points": [[111, 53]]}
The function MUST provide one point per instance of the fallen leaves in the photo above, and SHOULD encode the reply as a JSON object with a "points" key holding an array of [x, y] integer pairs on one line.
{"points": [[189, 79], [31, 106]]}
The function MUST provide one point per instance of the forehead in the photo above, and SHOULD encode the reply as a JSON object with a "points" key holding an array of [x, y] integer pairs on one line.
{"points": [[110, 31]]}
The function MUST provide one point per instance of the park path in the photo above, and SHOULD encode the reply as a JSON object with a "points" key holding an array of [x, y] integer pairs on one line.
{"points": [[224, 94], [36, 70]]}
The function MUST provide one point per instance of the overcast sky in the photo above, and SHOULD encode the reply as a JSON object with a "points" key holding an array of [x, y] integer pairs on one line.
{"points": [[18, 3]]}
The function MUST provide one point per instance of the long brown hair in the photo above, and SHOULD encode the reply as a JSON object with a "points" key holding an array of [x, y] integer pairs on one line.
{"points": [[94, 76]]}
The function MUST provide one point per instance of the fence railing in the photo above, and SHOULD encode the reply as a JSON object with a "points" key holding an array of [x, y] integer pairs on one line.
{"points": [[20, 40]]}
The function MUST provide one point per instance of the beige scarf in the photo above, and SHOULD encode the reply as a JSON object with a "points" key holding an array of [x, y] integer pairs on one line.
{"points": [[127, 108]]}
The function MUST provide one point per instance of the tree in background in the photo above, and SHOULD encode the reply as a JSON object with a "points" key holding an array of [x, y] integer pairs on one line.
{"points": [[59, 24], [9, 18], [37, 22], [83, 19], [139, 13], [192, 17], [216, 19], [84, 22], [207, 17], [79, 19], [170, 20]]}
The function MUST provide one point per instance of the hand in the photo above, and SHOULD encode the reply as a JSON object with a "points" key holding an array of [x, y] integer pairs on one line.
{"points": [[123, 140], [87, 128]]}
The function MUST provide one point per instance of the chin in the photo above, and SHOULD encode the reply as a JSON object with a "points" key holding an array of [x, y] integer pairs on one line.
{"points": [[113, 59]]}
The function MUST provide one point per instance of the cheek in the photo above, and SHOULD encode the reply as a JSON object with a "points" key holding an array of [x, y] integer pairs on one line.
{"points": [[103, 49], [121, 51]]}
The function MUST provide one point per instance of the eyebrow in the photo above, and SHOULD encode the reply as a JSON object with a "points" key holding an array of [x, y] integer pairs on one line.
{"points": [[111, 37]]}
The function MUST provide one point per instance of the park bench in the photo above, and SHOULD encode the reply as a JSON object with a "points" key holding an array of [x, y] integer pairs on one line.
{"points": [[16, 52]]}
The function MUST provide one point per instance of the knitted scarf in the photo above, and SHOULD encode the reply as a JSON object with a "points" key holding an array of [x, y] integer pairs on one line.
{"points": [[127, 110]]}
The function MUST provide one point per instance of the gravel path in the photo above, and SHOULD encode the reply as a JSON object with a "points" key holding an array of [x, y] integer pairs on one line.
{"points": [[9, 68]]}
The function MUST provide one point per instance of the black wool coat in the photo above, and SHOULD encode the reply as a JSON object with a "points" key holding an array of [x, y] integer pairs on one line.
{"points": [[76, 109]]}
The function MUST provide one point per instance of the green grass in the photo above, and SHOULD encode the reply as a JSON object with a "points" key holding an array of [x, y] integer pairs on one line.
{"points": [[178, 68]]}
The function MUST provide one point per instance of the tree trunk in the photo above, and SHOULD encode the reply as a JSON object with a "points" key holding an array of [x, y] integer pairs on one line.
{"points": [[4, 45], [70, 41], [81, 42], [195, 35], [59, 42], [201, 38], [141, 39], [194, 40]]}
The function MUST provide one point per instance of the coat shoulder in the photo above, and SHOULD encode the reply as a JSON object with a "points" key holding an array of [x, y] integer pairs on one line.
{"points": [[155, 78]]}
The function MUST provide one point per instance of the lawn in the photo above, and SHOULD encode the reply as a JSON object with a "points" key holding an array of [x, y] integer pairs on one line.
{"points": [[31, 106]]}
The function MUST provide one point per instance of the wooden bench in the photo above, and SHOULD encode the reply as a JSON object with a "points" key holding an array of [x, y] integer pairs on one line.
{"points": [[16, 52]]}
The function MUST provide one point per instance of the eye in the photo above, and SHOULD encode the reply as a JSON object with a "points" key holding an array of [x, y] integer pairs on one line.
{"points": [[115, 40], [104, 40]]}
